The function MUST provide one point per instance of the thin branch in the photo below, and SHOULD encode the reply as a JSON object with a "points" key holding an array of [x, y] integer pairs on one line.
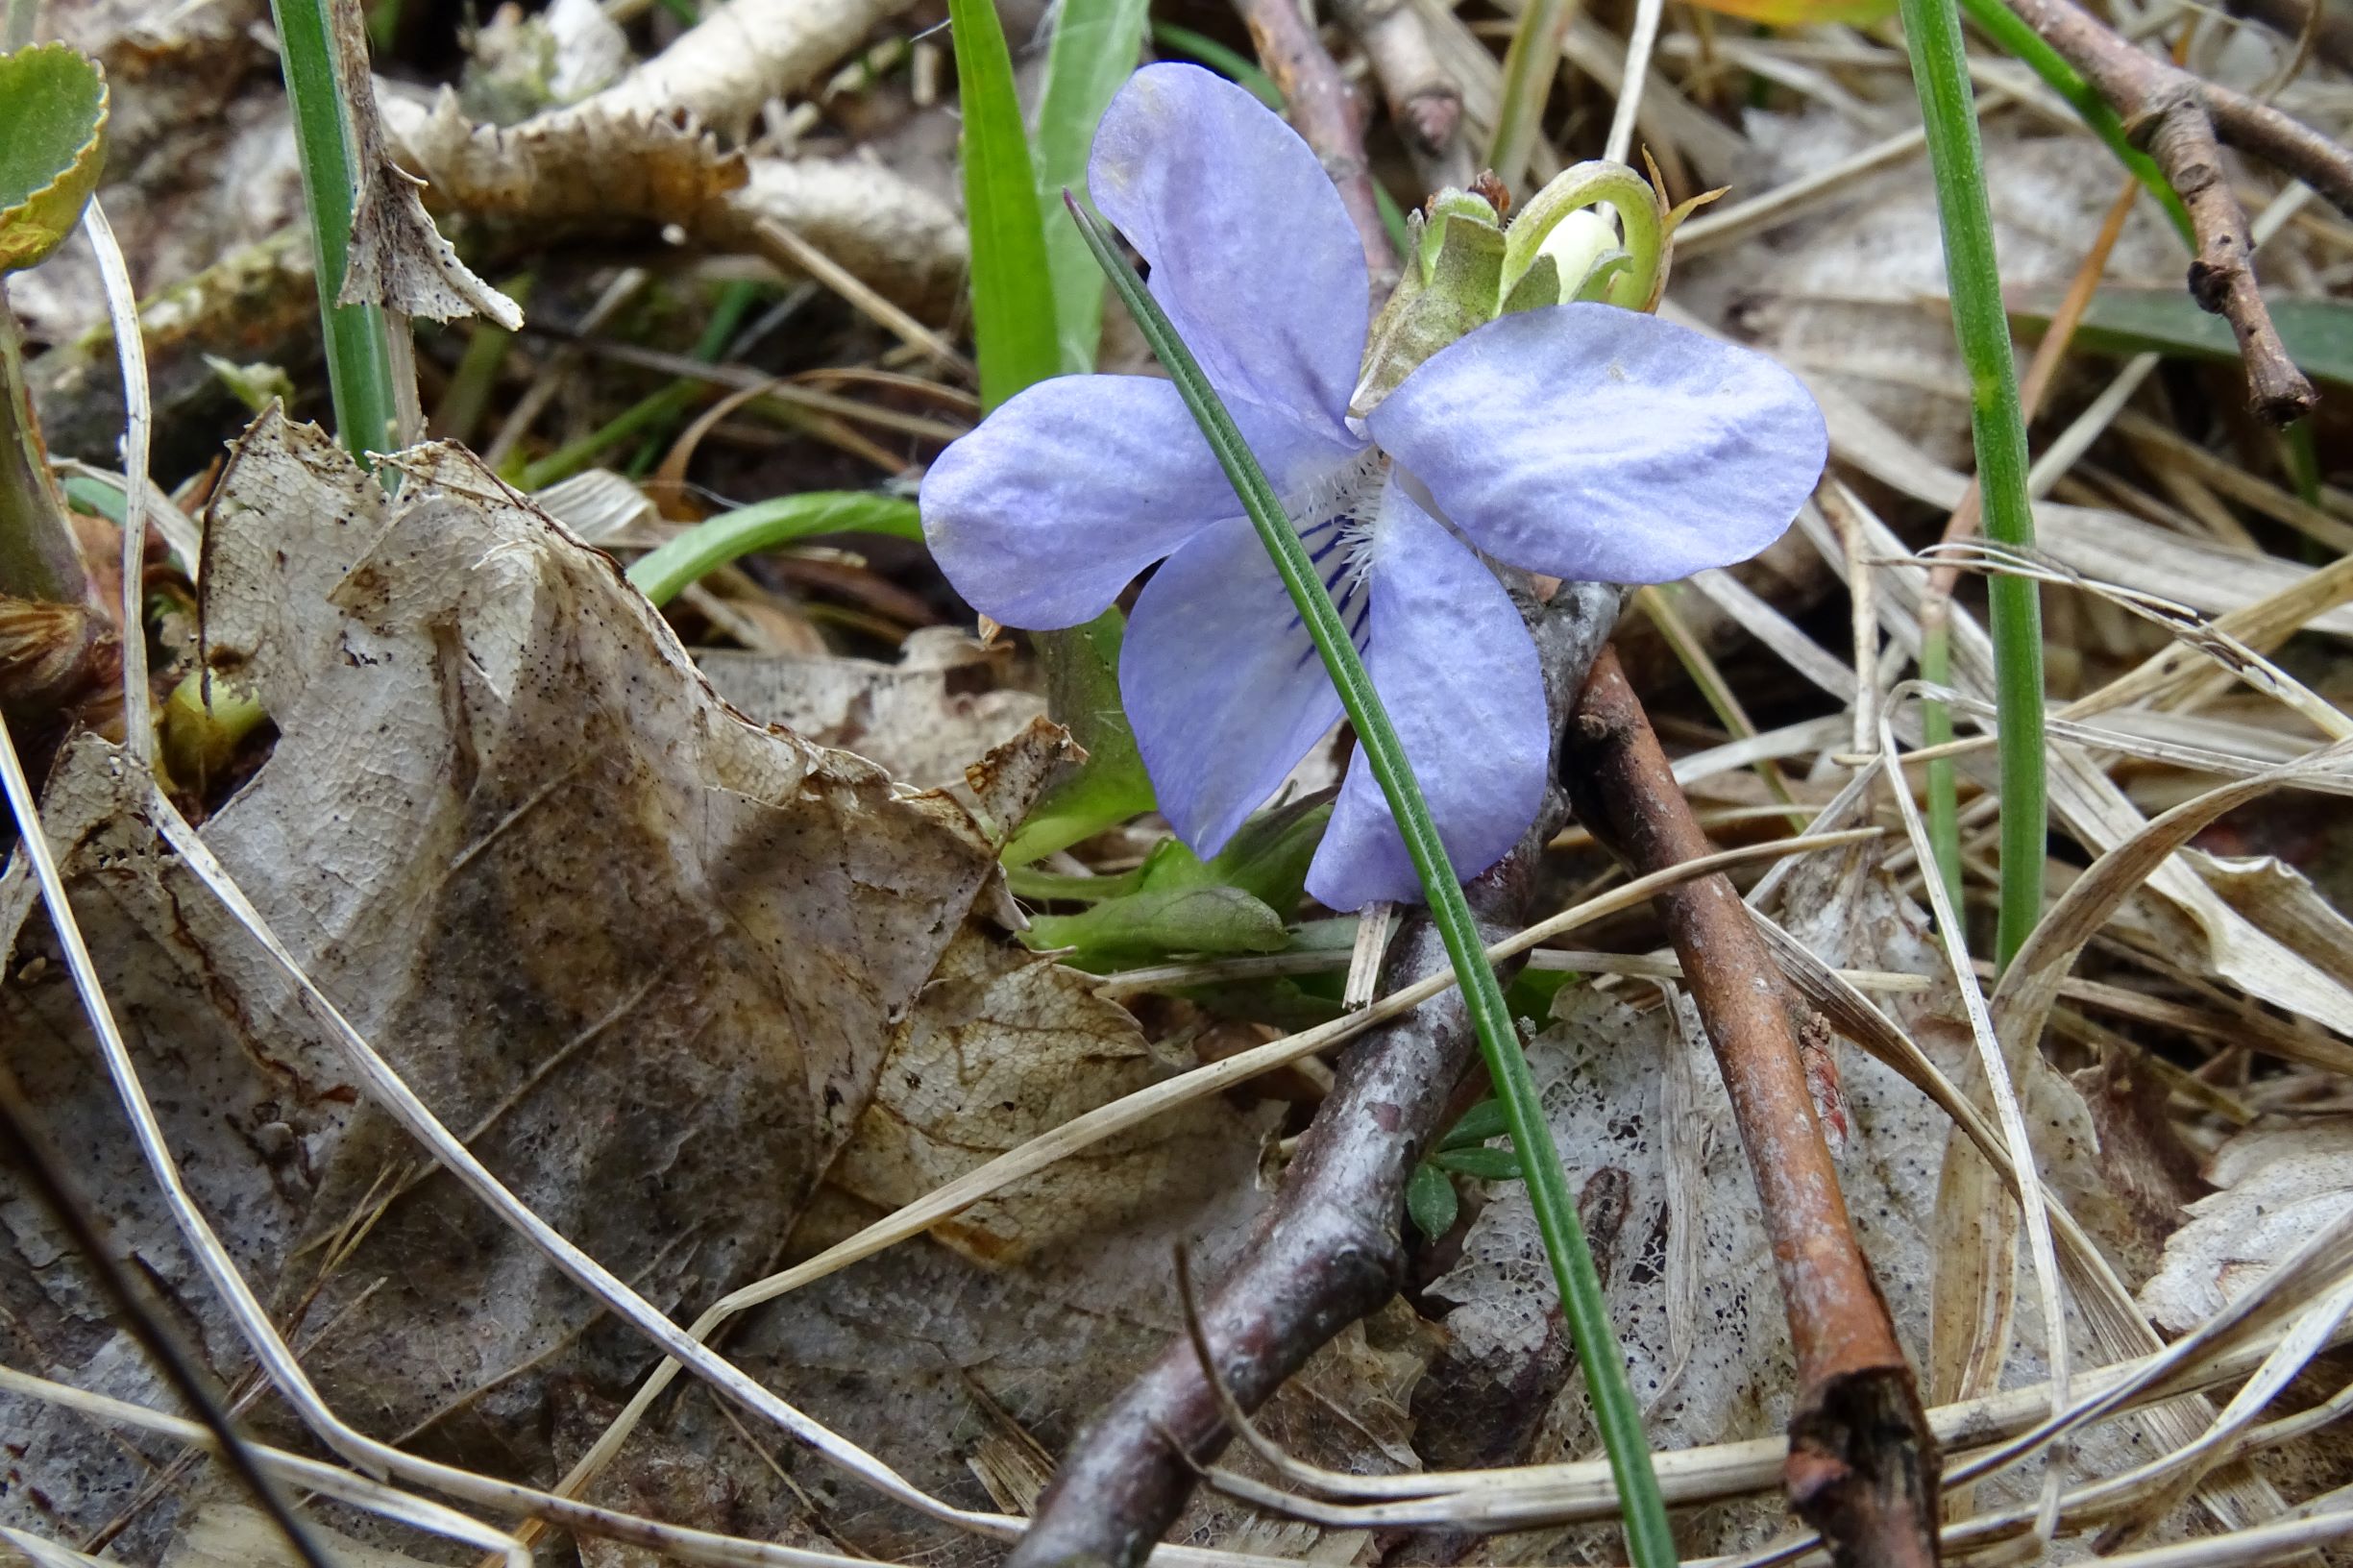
{"points": [[1862, 1463], [2223, 273], [1332, 1249], [1325, 114], [1424, 99], [2180, 117]]}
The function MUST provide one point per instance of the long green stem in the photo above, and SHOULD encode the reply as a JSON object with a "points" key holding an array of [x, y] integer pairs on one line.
{"points": [[1620, 1419], [2006, 28], [706, 546], [1940, 70], [37, 556], [1936, 728], [357, 338]]}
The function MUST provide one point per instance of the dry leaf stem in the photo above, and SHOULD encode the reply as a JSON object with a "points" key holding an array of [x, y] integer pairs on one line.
{"points": [[1327, 116], [1862, 1463], [2182, 120], [1333, 1247]]}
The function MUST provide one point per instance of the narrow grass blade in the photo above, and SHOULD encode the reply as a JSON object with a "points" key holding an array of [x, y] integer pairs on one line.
{"points": [[703, 549], [1619, 1418], [1095, 46], [1940, 71], [358, 342], [1530, 64], [1013, 293]]}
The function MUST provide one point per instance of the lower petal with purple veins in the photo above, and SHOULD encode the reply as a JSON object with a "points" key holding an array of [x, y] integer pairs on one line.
{"points": [[1221, 700], [1456, 670]]}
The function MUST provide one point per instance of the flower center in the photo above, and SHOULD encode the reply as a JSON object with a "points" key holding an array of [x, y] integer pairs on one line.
{"points": [[1335, 516]]}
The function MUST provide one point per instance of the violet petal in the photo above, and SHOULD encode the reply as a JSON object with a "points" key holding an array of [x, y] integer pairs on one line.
{"points": [[1457, 672], [1601, 444], [1221, 684]]}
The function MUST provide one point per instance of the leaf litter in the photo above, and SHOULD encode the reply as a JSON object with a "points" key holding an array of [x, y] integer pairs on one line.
{"points": [[712, 996]]}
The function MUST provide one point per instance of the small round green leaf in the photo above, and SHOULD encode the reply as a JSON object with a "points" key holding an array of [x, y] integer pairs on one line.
{"points": [[53, 122]]}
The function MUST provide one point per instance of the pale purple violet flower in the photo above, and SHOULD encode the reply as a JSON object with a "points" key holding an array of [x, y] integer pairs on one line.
{"points": [[1582, 440]]}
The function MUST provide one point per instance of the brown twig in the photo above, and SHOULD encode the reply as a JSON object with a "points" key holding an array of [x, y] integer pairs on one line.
{"points": [[2180, 118], [1424, 99], [1862, 1463], [1327, 116], [1332, 1248]]}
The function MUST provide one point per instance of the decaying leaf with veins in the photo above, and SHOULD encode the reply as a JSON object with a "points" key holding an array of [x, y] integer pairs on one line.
{"points": [[398, 258], [647, 958]]}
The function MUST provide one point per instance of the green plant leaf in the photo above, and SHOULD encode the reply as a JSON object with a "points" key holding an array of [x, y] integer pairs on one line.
{"points": [[53, 128], [2318, 332], [1095, 46], [1082, 691], [1480, 1122], [1013, 293], [1430, 1202], [1487, 1164], [707, 546], [1146, 927]]}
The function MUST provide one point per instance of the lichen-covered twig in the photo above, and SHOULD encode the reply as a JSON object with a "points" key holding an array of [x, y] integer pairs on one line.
{"points": [[2181, 119], [1862, 1463], [1327, 118], [1333, 1247]]}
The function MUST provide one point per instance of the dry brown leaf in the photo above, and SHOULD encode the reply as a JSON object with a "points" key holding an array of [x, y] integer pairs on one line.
{"points": [[398, 258], [1003, 1047], [645, 957], [2278, 1188], [237, 1535], [919, 719]]}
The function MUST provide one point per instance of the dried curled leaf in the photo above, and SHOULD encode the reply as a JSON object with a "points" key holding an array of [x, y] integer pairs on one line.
{"points": [[576, 167], [53, 122], [645, 957], [397, 258]]}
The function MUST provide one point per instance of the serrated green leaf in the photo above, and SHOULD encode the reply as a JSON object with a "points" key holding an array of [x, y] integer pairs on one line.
{"points": [[1094, 49], [2318, 334], [1013, 293], [1430, 1202], [53, 122]]}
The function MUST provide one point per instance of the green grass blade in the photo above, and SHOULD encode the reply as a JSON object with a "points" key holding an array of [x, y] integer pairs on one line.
{"points": [[1095, 46], [358, 344], [1232, 63], [1647, 1540], [1529, 65], [1012, 294], [706, 546], [1940, 70]]}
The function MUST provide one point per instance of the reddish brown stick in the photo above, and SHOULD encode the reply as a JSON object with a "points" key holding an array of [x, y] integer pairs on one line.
{"points": [[1862, 1464]]}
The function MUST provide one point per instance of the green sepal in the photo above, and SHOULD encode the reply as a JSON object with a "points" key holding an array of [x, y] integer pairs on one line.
{"points": [[53, 125], [1430, 1202], [1453, 287], [1642, 218]]}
